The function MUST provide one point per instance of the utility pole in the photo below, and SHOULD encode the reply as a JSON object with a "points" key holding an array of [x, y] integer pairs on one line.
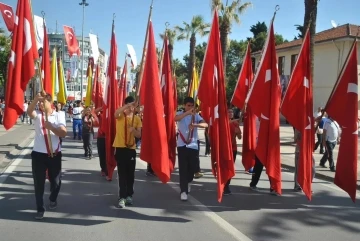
{"points": [[83, 4]]}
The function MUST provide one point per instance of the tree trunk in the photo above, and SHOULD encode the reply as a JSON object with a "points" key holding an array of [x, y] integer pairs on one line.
{"points": [[191, 59], [224, 34], [310, 17]]}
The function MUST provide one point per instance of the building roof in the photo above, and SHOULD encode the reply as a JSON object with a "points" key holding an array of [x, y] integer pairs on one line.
{"points": [[343, 31]]}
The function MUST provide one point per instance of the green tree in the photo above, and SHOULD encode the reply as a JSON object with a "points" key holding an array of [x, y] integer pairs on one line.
{"points": [[300, 29], [171, 36], [5, 47], [310, 20], [189, 31], [229, 14], [181, 85]]}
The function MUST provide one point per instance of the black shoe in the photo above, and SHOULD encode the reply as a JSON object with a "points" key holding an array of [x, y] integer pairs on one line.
{"points": [[53, 205], [322, 165], [297, 189], [39, 215], [150, 174], [227, 192], [332, 169], [86, 154], [79, 138], [74, 137], [321, 152]]}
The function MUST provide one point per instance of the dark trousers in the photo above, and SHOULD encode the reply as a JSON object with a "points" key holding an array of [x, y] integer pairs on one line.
{"points": [[87, 141], [41, 162], [319, 143], [328, 155], [102, 154], [1, 118], [258, 168], [187, 159], [207, 144], [198, 169], [126, 162], [228, 183], [77, 124], [149, 169]]}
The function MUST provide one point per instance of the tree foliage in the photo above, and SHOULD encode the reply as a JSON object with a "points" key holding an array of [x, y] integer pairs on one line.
{"points": [[5, 47]]}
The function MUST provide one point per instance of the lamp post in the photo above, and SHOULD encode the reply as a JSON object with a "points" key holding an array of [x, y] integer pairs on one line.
{"points": [[83, 4]]}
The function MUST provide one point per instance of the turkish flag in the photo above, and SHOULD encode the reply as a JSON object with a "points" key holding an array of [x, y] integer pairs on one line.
{"points": [[297, 108], [154, 128], [45, 66], [111, 105], [71, 41], [169, 105], [345, 94], [8, 15], [213, 97], [241, 90], [264, 100], [21, 63]]}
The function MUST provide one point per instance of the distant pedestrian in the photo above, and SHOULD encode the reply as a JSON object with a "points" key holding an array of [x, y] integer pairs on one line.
{"points": [[41, 154], [77, 122], [87, 132]]}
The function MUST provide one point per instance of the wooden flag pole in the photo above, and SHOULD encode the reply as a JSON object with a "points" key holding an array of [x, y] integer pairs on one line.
{"points": [[143, 59], [46, 103]]}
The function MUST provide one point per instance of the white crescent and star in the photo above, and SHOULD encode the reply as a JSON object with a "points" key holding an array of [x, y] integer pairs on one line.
{"points": [[70, 35], [8, 13]]}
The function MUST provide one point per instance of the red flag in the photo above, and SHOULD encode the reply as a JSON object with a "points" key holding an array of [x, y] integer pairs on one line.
{"points": [[111, 105], [212, 95], [71, 41], [168, 99], [241, 90], [297, 108], [21, 64], [264, 101], [154, 128], [8, 15], [345, 94], [45, 65]]}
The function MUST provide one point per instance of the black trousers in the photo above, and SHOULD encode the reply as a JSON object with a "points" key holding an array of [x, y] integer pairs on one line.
{"points": [[207, 144], [198, 169], [228, 183], [149, 169], [102, 153], [328, 155], [87, 141], [258, 168], [126, 162], [319, 143], [187, 158], [41, 162]]}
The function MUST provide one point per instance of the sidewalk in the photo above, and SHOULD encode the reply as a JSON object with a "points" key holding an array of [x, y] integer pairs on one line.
{"points": [[287, 149], [13, 141]]}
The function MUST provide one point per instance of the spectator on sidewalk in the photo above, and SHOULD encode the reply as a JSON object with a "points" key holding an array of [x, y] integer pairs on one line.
{"points": [[128, 126], [41, 156], [87, 132], [24, 117], [319, 122], [77, 122]]}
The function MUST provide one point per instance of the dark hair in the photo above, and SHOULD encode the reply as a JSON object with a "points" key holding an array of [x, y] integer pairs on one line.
{"points": [[189, 100], [129, 99]]}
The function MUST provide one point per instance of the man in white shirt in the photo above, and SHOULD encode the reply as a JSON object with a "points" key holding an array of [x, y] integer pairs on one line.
{"points": [[24, 115], [331, 136], [43, 157], [77, 119]]}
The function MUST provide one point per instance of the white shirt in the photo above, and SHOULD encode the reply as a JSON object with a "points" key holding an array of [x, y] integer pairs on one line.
{"points": [[25, 107], [57, 119], [332, 130], [77, 112]]}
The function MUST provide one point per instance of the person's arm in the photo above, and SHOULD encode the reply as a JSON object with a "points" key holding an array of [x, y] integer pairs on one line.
{"points": [[238, 132], [60, 128], [137, 129], [31, 108], [120, 111], [181, 116], [97, 110]]}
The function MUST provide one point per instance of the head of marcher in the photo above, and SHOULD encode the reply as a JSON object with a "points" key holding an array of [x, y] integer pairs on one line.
{"points": [[231, 113], [88, 111], [189, 103], [78, 103], [46, 103], [129, 101]]}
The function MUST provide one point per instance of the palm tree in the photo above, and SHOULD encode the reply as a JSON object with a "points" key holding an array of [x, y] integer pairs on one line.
{"points": [[197, 26], [228, 14], [171, 36], [310, 20]]}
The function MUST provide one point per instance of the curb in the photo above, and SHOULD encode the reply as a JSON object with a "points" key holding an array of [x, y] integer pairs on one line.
{"points": [[317, 175], [14, 153]]}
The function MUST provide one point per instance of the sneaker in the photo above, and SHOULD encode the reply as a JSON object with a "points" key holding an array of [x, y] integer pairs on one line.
{"points": [[273, 192], [121, 203], [129, 201], [254, 188], [297, 189], [53, 205], [149, 174], [183, 196], [198, 175], [39, 215]]}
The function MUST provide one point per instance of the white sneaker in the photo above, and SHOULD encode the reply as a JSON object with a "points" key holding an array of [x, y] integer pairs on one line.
{"points": [[183, 196]]}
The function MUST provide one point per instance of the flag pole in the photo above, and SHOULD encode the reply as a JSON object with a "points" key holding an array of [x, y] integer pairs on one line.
{"points": [[143, 55], [46, 103]]}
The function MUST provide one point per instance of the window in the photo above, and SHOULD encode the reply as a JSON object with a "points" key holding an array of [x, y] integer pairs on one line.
{"points": [[293, 61], [281, 65]]}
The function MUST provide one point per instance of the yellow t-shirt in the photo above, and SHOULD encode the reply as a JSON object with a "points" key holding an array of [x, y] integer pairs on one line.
{"points": [[119, 140]]}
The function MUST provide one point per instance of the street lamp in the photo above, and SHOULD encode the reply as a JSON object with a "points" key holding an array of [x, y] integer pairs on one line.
{"points": [[83, 4]]}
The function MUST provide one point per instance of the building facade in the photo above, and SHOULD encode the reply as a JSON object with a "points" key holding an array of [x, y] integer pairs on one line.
{"points": [[330, 52]]}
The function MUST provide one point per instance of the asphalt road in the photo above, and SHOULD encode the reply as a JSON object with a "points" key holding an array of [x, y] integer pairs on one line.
{"points": [[86, 207]]}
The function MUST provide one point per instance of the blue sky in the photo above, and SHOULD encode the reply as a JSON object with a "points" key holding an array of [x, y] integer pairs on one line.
{"points": [[131, 17]]}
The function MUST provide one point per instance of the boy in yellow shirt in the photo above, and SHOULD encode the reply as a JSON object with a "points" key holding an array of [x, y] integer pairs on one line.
{"points": [[128, 126]]}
